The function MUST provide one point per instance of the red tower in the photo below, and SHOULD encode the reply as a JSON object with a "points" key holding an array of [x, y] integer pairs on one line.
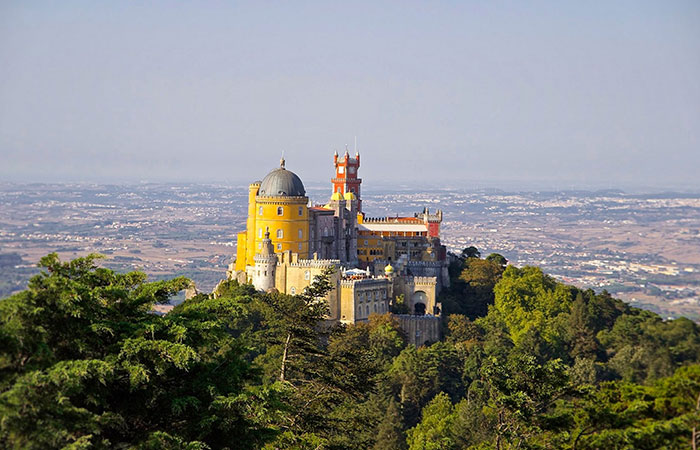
{"points": [[345, 179]]}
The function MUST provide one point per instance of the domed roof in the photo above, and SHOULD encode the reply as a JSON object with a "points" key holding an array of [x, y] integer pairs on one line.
{"points": [[349, 196], [336, 196], [388, 269], [282, 183]]}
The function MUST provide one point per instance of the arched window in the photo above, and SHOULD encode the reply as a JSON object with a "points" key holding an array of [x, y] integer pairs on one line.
{"points": [[293, 290], [307, 275], [301, 234], [260, 210], [280, 234], [280, 210], [259, 232], [299, 245], [301, 211], [279, 246], [368, 310]]}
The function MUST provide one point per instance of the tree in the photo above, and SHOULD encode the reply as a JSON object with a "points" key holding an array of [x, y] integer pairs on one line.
{"points": [[470, 252], [498, 259], [390, 435], [87, 364], [435, 428], [527, 298]]}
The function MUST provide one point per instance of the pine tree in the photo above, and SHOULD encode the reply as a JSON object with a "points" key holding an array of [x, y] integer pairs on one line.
{"points": [[390, 435]]}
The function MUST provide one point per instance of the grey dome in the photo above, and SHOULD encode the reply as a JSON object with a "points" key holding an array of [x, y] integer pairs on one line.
{"points": [[282, 183]]}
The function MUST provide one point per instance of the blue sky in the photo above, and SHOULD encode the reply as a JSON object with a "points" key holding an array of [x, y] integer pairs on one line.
{"points": [[557, 94]]}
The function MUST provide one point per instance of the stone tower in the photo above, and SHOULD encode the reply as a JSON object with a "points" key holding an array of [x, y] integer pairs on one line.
{"points": [[265, 263], [346, 180]]}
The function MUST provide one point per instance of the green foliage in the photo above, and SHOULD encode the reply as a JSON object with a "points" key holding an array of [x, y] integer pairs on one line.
{"points": [[471, 252], [87, 364], [399, 306], [527, 362], [434, 430], [527, 299], [471, 285], [390, 435]]}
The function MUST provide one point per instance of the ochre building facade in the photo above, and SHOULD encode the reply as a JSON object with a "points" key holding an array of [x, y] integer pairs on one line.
{"points": [[379, 262]]}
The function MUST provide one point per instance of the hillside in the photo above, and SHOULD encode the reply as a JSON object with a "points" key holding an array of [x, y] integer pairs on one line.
{"points": [[526, 362]]}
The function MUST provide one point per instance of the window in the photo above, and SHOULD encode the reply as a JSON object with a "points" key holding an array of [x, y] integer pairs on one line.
{"points": [[293, 290], [280, 234], [259, 245], [299, 245], [341, 169], [368, 310], [259, 232], [301, 234], [366, 242], [280, 210], [307, 275], [301, 211], [279, 246], [260, 210]]}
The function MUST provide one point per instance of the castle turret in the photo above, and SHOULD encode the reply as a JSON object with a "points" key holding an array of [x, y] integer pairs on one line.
{"points": [[265, 263], [346, 180]]}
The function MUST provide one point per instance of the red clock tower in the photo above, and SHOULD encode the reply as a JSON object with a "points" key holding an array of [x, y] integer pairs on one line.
{"points": [[346, 179]]}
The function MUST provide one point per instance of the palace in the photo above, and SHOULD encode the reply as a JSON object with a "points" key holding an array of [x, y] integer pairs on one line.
{"points": [[379, 261]]}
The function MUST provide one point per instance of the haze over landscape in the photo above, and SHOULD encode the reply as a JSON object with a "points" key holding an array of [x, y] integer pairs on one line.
{"points": [[483, 232], [468, 94]]}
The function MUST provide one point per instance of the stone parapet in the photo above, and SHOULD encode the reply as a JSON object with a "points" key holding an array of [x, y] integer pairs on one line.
{"points": [[420, 330], [365, 281], [317, 263], [422, 280]]}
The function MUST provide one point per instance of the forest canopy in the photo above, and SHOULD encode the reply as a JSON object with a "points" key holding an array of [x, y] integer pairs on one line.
{"points": [[526, 362]]}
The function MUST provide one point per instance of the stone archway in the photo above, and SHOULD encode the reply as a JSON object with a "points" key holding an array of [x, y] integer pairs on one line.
{"points": [[419, 309], [419, 300]]}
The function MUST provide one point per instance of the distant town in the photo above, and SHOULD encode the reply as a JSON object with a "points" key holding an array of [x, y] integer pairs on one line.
{"points": [[644, 249]]}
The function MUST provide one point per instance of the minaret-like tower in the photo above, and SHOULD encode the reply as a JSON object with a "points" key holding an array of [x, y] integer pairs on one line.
{"points": [[265, 264], [346, 179]]}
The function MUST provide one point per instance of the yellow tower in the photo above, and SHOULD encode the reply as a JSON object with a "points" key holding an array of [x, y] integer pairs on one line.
{"points": [[277, 205]]}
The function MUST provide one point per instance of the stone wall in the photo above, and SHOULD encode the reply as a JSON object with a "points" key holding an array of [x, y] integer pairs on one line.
{"points": [[420, 330]]}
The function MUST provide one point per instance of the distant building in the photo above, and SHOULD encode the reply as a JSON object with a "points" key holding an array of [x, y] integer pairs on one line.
{"points": [[287, 242]]}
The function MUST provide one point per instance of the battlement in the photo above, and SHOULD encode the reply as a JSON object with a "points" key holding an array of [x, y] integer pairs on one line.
{"points": [[260, 258], [431, 218], [425, 263], [390, 220], [316, 263], [422, 280], [351, 282]]}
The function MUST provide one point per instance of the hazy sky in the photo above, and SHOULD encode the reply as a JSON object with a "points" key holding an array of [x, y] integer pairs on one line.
{"points": [[475, 92]]}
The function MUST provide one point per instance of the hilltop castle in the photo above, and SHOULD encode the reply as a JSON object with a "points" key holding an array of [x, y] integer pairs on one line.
{"points": [[288, 241]]}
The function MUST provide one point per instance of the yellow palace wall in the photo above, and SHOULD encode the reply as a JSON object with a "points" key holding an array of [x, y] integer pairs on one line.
{"points": [[287, 220]]}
